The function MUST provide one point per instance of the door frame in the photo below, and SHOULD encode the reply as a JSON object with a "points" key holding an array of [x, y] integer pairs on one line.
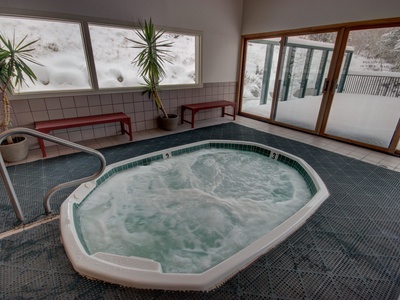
{"points": [[330, 84]]}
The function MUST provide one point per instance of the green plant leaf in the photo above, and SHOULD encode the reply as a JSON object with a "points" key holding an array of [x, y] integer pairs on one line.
{"points": [[151, 59]]}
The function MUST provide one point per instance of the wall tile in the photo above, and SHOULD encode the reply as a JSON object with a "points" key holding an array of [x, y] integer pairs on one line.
{"points": [[166, 103], [148, 115], [81, 101], [188, 93], [53, 103], [128, 107], [99, 132], [83, 111], [148, 105], [173, 94], [20, 106], [149, 124], [95, 110], [40, 115], [93, 100], [70, 113], [138, 97], [55, 114], [106, 99], [140, 126], [142, 111], [173, 103], [67, 102], [181, 93], [139, 117], [116, 98], [107, 109], [118, 107], [88, 134], [23, 119], [37, 104], [138, 107], [127, 97], [75, 136], [112, 129]]}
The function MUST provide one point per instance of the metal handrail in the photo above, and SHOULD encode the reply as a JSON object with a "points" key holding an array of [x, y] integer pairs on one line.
{"points": [[46, 200]]}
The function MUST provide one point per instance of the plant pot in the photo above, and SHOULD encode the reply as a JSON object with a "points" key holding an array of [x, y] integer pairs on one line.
{"points": [[15, 152], [171, 123]]}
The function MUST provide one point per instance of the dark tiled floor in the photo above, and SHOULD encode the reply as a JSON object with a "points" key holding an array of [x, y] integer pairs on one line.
{"points": [[349, 249]]}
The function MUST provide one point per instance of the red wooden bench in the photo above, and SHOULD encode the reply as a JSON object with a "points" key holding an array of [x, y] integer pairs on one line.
{"points": [[207, 105], [47, 126]]}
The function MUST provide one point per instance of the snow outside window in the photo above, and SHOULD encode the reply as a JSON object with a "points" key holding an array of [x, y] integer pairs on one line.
{"points": [[113, 55], [60, 50]]}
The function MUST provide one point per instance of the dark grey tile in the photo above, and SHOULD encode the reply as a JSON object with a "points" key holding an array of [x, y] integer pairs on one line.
{"points": [[349, 249]]}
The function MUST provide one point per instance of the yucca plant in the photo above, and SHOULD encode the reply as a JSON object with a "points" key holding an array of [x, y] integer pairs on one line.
{"points": [[151, 59], [13, 70]]}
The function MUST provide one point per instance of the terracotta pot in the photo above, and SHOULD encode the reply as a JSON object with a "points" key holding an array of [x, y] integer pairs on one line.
{"points": [[15, 152]]}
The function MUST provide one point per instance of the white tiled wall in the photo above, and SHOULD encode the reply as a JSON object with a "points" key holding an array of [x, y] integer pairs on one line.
{"points": [[141, 110]]}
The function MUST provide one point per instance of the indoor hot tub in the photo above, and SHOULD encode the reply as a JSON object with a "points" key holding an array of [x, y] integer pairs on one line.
{"points": [[190, 217]]}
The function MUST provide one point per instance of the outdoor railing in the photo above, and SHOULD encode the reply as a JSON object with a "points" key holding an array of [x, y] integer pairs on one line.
{"points": [[387, 86]]}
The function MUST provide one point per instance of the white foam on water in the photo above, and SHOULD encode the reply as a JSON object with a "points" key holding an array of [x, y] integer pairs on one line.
{"points": [[192, 211]]}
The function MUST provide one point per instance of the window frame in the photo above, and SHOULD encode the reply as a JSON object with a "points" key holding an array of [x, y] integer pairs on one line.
{"points": [[84, 23], [196, 34]]}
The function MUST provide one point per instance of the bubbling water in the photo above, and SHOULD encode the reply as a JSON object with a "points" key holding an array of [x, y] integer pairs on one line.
{"points": [[192, 211]]}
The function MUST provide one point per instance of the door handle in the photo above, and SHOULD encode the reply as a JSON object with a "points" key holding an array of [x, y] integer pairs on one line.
{"points": [[326, 84]]}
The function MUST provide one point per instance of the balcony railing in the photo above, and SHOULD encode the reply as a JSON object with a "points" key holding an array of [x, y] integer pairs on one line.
{"points": [[378, 85]]}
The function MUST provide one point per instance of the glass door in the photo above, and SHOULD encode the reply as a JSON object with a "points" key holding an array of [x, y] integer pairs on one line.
{"points": [[259, 76], [366, 105], [306, 62]]}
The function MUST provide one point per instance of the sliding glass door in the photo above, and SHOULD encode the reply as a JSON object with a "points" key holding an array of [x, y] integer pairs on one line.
{"points": [[366, 105], [259, 79], [342, 82], [306, 61]]}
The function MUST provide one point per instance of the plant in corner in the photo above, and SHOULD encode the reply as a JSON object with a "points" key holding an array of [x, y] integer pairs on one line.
{"points": [[150, 61], [13, 70]]}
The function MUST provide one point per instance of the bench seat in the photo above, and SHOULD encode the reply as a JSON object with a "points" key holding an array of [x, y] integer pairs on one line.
{"points": [[47, 126], [207, 105]]}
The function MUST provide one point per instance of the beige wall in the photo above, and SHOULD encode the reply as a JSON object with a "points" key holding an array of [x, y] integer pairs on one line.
{"points": [[273, 15]]}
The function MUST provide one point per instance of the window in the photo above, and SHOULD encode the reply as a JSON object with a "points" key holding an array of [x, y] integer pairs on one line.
{"points": [[113, 55], [60, 49], [67, 55]]}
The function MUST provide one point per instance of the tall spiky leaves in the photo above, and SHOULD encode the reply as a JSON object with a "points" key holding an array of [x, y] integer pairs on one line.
{"points": [[13, 70], [151, 59]]}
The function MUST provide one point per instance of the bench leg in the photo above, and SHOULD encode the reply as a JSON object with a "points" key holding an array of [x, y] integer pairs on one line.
{"points": [[182, 114], [233, 114], [130, 130], [123, 131], [122, 127], [41, 144], [193, 113]]}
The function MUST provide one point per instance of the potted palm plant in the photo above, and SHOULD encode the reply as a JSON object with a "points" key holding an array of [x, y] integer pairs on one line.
{"points": [[13, 70], [150, 61]]}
